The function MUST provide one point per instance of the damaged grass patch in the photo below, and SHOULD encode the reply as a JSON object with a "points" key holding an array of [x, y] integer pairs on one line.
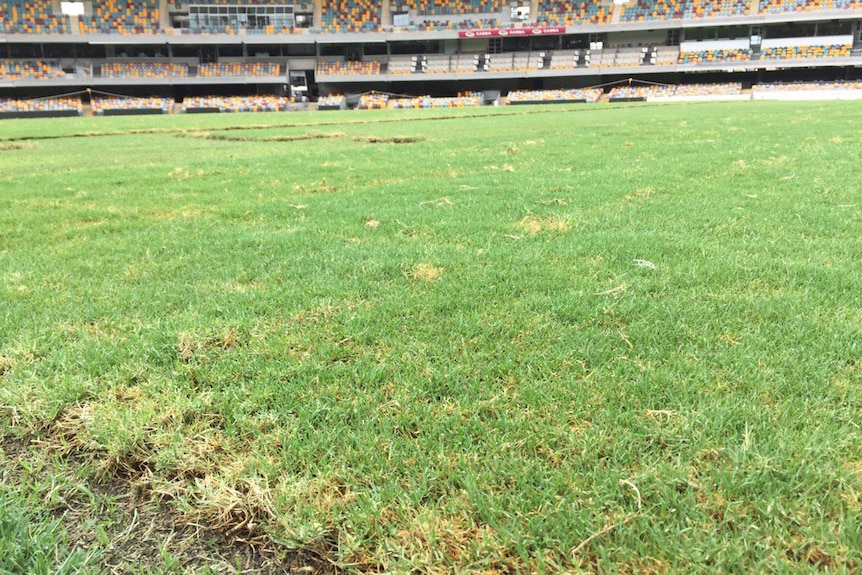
{"points": [[299, 138], [553, 223], [391, 140], [8, 146]]}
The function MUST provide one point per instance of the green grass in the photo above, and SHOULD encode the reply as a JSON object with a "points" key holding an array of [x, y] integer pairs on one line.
{"points": [[570, 338]]}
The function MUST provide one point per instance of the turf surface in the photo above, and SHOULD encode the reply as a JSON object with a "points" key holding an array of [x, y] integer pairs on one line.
{"points": [[614, 339]]}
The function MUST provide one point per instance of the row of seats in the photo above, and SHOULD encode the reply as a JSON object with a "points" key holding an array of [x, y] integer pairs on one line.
{"points": [[32, 17], [121, 17], [721, 56], [102, 104], [469, 100], [350, 16], [572, 12], [373, 101], [237, 103], [453, 7], [239, 69], [722, 89], [67, 104], [472, 24], [13, 70], [806, 86], [352, 68], [806, 52], [332, 100], [669, 91], [644, 92], [136, 70], [561, 95]]}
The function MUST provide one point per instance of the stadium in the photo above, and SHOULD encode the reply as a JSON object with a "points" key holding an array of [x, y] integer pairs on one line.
{"points": [[158, 56]]}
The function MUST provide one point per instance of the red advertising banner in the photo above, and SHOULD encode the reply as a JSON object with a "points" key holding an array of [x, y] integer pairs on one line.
{"points": [[494, 32]]}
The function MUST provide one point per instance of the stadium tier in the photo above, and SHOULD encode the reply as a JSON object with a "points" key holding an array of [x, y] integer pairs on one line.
{"points": [[237, 69], [128, 70], [720, 55]]}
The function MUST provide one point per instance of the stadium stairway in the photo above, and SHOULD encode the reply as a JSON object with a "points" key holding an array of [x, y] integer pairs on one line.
{"points": [[753, 7], [534, 8], [164, 17], [617, 11]]}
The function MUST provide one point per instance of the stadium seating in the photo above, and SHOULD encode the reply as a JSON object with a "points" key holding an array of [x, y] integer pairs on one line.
{"points": [[716, 8], [118, 17], [350, 16], [720, 56], [373, 101], [658, 91], [445, 7], [806, 52], [237, 103], [571, 95], [12, 70], [780, 6], [806, 86], [460, 101], [648, 10], [32, 17], [353, 68], [42, 105], [101, 104], [332, 100], [721, 89], [138, 70], [238, 69], [572, 12], [645, 92], [467, 24]]}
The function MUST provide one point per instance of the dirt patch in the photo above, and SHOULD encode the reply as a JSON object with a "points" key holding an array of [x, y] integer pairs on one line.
{"points": [[132, 530]]}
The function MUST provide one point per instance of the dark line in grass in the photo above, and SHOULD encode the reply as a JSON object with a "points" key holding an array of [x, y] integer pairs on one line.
{"points": [[223, 138], [550, 110]]}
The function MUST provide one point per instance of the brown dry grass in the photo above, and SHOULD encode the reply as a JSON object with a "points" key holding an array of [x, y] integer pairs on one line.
{"points": [[553, 223], [425, 272], [640, 194], [130, 530], [6, 147]]}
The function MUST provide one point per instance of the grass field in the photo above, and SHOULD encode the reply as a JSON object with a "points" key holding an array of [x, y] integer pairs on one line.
{"points": [[600, 339]]}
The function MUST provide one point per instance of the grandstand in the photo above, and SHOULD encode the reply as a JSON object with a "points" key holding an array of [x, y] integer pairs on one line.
{"points": [[428, 48]]}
